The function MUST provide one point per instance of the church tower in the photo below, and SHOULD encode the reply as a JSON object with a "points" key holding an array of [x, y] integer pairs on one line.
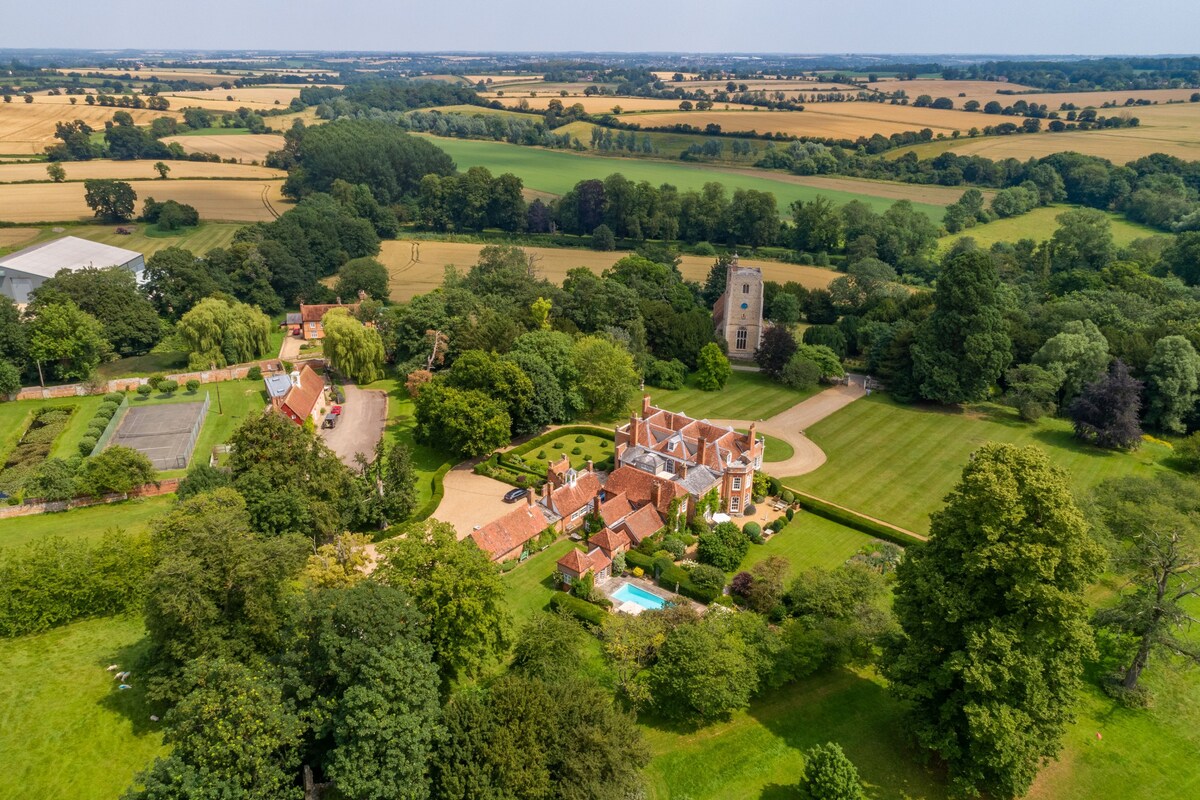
{"points": [[738, 314]]}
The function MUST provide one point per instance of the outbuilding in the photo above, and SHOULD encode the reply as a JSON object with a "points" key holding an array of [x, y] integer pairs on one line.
{"points": [[25, 270]]}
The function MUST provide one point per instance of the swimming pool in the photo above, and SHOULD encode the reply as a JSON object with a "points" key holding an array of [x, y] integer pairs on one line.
{"points": [[628, 593]]}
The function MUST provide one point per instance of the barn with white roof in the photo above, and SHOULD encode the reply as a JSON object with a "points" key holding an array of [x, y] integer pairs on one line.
{"points": [[25, 270]]}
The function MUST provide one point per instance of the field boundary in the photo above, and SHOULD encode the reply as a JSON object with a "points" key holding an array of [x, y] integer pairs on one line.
{"points": [[857, 520]]}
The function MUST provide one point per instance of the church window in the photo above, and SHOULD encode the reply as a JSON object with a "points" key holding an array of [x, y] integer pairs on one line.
{"points": [[745, 288], [741, 339]]}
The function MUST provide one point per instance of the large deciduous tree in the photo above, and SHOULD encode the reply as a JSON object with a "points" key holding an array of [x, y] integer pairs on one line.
{"points": [[1155, 524], [712, 368], [467, 423], [109, 200], [109, 294], [458, 592], [994, 621], [606, 377], [1172, 377], [71, 341], [1076, 356], [964, 346], [362, 275], [221, 331], [776, 349], [1106, 413]]}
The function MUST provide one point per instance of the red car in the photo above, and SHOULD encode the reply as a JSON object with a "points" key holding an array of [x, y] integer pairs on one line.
{"points": [[336, 410]]}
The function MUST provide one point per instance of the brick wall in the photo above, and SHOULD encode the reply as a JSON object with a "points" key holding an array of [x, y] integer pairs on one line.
{"points": [[165, 486], [235, 373]]}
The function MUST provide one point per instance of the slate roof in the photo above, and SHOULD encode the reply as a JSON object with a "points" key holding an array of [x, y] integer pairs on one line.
{"points": [[277, 385]]}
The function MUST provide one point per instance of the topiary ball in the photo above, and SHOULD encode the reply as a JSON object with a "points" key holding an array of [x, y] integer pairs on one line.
{"points": [[576, 451], [579, 439]]}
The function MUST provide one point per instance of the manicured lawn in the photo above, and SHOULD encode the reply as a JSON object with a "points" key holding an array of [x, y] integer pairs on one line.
{"points": [[139, 366], [758, 753], [776, 449], [747, 395], [65, 729], [15, 416], [529, 586], [597, 448], [399, 430], [898, 462], [84, 523], [809, 541]]}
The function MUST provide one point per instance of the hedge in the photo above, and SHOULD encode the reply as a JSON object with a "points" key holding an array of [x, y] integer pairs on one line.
{"points": [[669, 576], [856, 521], [439, 490], [114, 397], [551, 436], [580, 609]]}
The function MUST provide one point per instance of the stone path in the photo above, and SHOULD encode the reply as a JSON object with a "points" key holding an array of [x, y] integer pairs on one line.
{"points": [[790, 425]]}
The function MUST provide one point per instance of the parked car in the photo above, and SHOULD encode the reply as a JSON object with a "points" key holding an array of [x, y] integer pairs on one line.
{"points": [[515, 495], [330, 420]]}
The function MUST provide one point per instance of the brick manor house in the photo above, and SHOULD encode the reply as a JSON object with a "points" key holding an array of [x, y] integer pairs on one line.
{"points": [[665, 463]]}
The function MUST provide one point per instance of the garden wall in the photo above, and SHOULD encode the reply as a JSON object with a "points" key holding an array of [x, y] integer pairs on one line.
{"points": [[235, 373]]}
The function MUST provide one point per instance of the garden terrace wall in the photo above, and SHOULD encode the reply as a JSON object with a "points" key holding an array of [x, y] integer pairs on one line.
{"points": [[235, 373], [165, 486]]}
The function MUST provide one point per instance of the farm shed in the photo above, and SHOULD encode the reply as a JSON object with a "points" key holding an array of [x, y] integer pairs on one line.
{"points": [[25, 270]]}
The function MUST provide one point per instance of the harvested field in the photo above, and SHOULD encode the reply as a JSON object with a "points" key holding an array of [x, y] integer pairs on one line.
{"points": [[1171, 129], [409, 278], [240, 201], [256, 98], [983, 91], [974, 90], [836, 120], [16, 237], [789, 87], [249, 147], [199, 76], [500, 80], [136, 170], [593, 105], [282, 122], [28, 128]]}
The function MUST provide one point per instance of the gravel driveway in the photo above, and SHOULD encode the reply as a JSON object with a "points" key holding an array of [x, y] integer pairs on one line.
{"points": [[364, 415], [472, 500]]}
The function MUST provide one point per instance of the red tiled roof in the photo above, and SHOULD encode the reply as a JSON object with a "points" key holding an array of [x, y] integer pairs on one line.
{"points": [[314, 313], [657, 430], [501, 536], [609, 540], [303, 399], [579, 562], [598, 559], [567, 499], [646, 521], [638, 486], [615, 509]]}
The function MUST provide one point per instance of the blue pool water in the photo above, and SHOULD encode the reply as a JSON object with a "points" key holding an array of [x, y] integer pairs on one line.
{"points": [[628, 593]]}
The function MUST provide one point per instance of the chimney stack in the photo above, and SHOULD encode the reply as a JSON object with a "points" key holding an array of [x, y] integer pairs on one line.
{"points": [[590, 466], [753, 439], [701, 449], [529, 498], [645, 406], [596, 504], [633, 431]]}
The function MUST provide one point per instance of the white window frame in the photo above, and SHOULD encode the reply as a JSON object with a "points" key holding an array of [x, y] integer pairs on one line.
{"points": [[740, 339], [737, 483], [735, 504], [579, 512]]}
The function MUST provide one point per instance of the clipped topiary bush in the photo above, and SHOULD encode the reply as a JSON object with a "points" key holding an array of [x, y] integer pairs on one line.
{"points": [[114, 397], [603, 444], [791, 512], [86, 445], [787, 496], [751, 510], [579, 439], [145, 390], [193, 385], [541, 454], [254, 374], [752, 529], [575, 451], [168, 386], [557, 445], [107, 406]]}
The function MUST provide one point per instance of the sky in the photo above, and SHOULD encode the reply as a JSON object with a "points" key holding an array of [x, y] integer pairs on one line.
{"points": [[1018, 27]]}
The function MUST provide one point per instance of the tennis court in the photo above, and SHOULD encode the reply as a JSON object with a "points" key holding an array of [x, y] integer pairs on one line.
{"points": [[165, 433]]}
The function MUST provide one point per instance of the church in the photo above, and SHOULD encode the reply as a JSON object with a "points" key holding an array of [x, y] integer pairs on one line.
{"points": [[738, 313]]}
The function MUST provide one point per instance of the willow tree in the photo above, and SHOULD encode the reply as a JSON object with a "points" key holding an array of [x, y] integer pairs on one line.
{"points": [[352, 348], [220, 331]]}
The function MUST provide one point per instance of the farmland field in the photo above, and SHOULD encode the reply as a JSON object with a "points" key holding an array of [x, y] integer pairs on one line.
{"points": [[16, 237], [28, 128], [982, 91], [557, 172], [65, 730], [409, 278], [144, 239], [136, 170], [597, 104], [915, 454], [256, 98], [243, 148], [836, 120], [1172, 129], [1039, 225], [242, 201]]}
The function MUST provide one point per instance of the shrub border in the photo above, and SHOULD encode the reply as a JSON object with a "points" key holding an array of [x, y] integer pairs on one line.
{"points": [[852, 519]]}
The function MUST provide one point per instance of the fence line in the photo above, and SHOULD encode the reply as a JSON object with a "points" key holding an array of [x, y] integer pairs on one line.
{"points": [[111, 428], [182, 461]]}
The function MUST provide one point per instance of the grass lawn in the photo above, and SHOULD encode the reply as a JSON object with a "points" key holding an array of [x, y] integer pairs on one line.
{"points": [[15, 416], [1039, 225], [65, 730], [809, 541], [139, 366], [597, 448], [747, 395], [758, 753], [898, 462], [530, 585], [146, 239], [401, 421], [776, 449], [91, 522], [557, 172]]}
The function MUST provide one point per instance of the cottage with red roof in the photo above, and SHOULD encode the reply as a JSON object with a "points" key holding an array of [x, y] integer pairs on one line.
{"points": [[575, 564], [311, 326], [506, 538], [296, 396]]}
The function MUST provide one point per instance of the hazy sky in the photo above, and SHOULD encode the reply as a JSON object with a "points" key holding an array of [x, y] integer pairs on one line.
{"points": [[792, 26]]}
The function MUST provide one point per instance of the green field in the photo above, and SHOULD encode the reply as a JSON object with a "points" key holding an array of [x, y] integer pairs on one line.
{"points": [[65, 729], [809, 541], [91, 522], [557, 171], [200, 239], [1039, 225], [748, 395], [775, 449], [897, 462]]}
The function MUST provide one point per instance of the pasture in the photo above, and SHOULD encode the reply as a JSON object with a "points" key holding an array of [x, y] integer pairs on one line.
{"points": [[28, 128], [65, 730], [914, 455], [145, 239], [136, 171], [240, 201], [409, 278], [557, 172], [1039, 225], [244, 148]]}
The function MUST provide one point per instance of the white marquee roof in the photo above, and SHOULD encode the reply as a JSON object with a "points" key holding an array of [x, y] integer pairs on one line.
{"points": [[69, 252]]}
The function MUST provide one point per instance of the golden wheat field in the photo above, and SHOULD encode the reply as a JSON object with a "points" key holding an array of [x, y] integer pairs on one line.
{"points": [[256, 98], [233, 201], [13, 237], [500, 80], [788, 86], [282, 122], [974, 90], [167, 74], [28, 128], [593, 105], [838, 120], [1173, 129], [243, 147], [410, 278], [136, 170]]}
